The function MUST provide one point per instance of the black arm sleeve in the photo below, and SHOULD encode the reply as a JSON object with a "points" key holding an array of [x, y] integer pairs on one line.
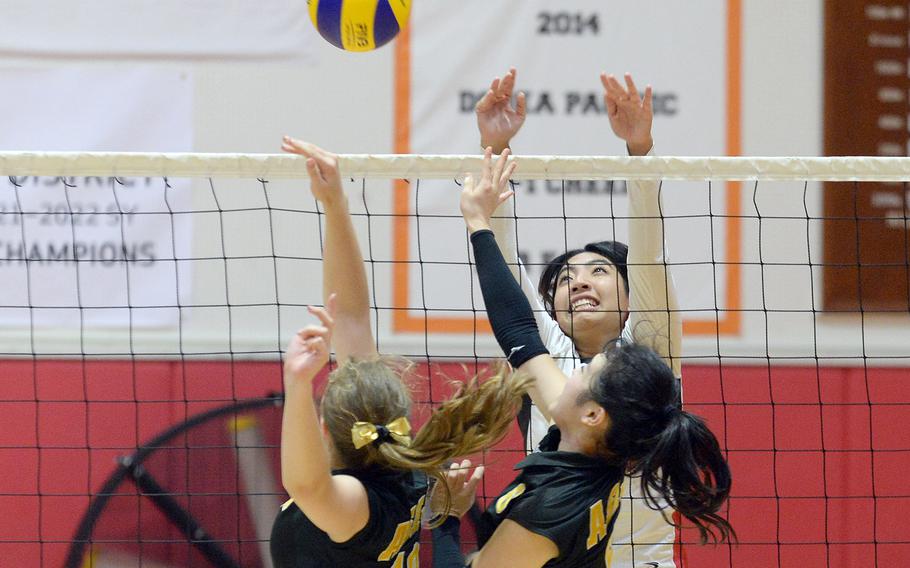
{"points": [[509, 311], [447, 544]]}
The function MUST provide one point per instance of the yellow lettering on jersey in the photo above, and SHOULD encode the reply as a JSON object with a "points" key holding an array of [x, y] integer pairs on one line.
{"points": [[401, 535], [403, 532], [506, 498], [597, 524], [414, 556], [598, 520], [614, 501]]}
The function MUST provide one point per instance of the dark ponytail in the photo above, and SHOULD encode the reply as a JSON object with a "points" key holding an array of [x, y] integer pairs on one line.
{"points": [[676, 454], [687, 468]]}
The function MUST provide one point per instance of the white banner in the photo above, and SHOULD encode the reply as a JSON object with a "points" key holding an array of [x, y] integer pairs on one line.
{"points": [[95, 251], [162, 29], [559, 50]]}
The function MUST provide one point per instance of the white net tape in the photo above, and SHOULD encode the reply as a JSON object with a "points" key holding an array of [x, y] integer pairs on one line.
{"points": [[406, 166]]}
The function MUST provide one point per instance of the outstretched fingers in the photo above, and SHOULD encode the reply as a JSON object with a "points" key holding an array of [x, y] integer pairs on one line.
{"points": [[498, 166], [313, 335], [609, 83], [456, 474], [467, 186], [521, 105], [500, 91], [475, 478], [295, 146], [325, 315], [506, 170], [327, 321], [321, 164], [458, 479], [614, 88], [315, 338], [609, 98], [626, 95], [485, 102], [496, 174], [505, 195], [490, 98], [507, 85], [481, 196], [486, 173], [632, 90], [312, 168], [494, 85]]}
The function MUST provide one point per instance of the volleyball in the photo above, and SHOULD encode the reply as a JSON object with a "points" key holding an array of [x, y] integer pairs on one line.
{"points": [[359, 25]]}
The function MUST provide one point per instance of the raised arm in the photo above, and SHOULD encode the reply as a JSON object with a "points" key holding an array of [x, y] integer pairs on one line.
{"points": [[337, 504], [509, 311], [654, 318], [498, 122], [343, 272]]}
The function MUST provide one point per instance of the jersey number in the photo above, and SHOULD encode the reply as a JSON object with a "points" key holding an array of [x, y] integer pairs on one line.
{"points": [[413, 558], [403, 532]]}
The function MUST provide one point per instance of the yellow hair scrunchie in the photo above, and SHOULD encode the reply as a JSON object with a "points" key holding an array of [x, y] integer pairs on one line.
{"points": [[363, 433]]}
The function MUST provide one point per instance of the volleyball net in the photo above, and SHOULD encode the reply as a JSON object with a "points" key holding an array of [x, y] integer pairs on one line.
{"points": [[148, 299]]}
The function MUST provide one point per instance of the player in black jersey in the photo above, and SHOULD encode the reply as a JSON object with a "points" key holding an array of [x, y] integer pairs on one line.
{"points": [[348, 465], [617, 415]]}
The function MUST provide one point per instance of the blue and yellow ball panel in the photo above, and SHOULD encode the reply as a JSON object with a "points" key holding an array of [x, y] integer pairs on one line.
{"points": [[359, 25]]}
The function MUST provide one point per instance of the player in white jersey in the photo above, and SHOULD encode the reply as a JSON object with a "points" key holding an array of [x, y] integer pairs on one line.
{"points": [[592, 295]]}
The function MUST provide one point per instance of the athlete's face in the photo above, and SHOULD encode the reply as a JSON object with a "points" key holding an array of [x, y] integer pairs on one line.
{"points": [[566, 410], [590, 299]]}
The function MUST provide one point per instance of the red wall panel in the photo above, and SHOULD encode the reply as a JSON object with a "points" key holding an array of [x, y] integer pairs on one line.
{"points": [[805, 473]]}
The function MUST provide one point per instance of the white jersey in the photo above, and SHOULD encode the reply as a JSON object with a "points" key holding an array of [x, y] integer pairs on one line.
{"points": [[641, 534], [642, 537]]}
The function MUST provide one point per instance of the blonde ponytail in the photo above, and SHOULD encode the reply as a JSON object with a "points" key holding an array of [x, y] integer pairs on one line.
{"points": [[477, 417]]}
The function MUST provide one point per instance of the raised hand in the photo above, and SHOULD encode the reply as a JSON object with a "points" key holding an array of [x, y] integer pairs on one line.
{"points": [[308, 350], [480, 198], [325, 179], [630, 114], [497, 120], [462, 489]]}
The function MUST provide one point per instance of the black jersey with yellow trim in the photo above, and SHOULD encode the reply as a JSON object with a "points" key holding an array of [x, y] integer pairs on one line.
{"points": [[570, 498], [389, 539]]}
